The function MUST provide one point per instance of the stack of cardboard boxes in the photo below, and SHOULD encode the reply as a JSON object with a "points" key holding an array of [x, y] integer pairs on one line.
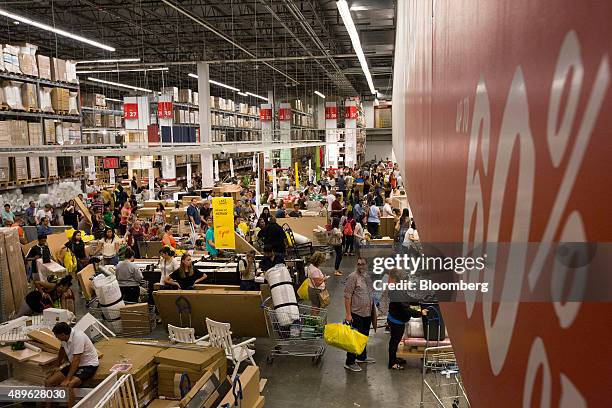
{"points": [[27, 59], [14, 284], [10, 58]]}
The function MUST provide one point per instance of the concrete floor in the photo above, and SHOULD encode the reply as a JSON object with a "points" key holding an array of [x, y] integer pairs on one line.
{"points": [[297, 382]]}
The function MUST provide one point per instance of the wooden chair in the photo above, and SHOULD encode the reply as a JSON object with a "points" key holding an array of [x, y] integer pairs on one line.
{"points": [[219, 335]]}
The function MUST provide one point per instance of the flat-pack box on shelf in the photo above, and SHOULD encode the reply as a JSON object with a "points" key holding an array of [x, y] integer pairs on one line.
{"points": [[196, 98], [173, 91], [49, 131], [193, 117], [44, 99], [5, 138], [35, 133], [71, 75], [58, 69], [73, 107], [18, 132], [60, 99], [93, 100], [34, 167], [10, 57], [52, 167], [29, 97], [27, 59], [185, 96], [11, 91], [5, 172], [44, 66], [19, 169]]}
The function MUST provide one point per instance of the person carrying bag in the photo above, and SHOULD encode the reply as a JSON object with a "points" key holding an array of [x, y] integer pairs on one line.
{"points": [[317, 292]]}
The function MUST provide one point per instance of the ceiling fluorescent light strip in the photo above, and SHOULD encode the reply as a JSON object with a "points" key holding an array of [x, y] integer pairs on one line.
{"points": [[109, 61], [320, 94], [223, 85], [118, 84], [345, 13], [104, 71], [114, 100], [257, 96], [55, 30]]}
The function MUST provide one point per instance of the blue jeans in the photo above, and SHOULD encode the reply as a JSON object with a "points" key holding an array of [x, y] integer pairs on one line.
{"points": [[248, 285]]}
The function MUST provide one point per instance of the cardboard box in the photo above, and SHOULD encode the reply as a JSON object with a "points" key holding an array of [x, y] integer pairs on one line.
{"points": [[58, 69], [185, 96], [173, 91], [35, 133], [34, 167], [29, 97], [49, 129], [52, 167], [44, 66], [60, 99], [135, 319], [251, 397], [241, 309], [27, 64], [5, 138], [5, 173]]}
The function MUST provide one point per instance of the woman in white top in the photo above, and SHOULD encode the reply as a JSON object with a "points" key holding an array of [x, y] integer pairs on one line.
{"points": [[359, 236], [411, 239], [167, 264], [317, 279], [160, 215], [387, 209], [110, 247]]}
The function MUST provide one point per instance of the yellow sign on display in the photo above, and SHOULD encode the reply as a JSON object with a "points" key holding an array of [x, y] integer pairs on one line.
{"points": [[223, 222], [297, 177]]}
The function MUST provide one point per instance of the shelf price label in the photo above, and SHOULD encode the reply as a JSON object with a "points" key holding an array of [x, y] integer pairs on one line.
{"points": [[164, 110], [265, 114], [331, 112], [350, 112], [130, 110], [111, 163], [284, 114]]}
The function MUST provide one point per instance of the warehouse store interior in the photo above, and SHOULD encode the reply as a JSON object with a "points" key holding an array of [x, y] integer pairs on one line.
{"points": [[215, 204]]}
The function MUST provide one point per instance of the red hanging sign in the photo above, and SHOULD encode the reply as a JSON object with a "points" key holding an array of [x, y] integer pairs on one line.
{"points": [[350, 112], [111, 163], [284, 114], [130, 110], [164, 110], [331, 112], [265, 114]]}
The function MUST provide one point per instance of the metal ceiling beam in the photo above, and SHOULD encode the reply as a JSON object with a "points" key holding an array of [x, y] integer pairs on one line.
{"points": [[223, 36]]}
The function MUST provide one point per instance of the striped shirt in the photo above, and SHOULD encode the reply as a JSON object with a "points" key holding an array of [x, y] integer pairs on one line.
{"points": [[359, 289]]}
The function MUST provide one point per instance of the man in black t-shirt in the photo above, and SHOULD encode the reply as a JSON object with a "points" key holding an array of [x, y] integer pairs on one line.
{"points": [[40, 250]]}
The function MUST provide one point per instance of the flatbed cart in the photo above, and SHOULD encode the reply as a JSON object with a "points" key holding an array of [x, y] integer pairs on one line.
{"points": [[302, 338], [441, 380]]}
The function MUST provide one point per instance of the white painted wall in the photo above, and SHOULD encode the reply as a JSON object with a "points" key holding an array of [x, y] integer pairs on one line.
{"points": [[378, 149]]}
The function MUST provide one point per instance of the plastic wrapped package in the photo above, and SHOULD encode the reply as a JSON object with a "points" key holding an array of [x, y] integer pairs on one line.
{"points": [[29, 98], [59, 133], [4, 169], [12, 94], [71, 75], [52, 167], [283, 294], [20, 168], [44, 66], [58, 69], [44, 98], [73, 106], [10, 57], [5, 138]]}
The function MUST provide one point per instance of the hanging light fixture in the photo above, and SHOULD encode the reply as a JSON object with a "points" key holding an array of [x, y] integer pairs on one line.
{"points": [[345, 13], [319, 94], [102, 81], [57, 31], [109, 61]]}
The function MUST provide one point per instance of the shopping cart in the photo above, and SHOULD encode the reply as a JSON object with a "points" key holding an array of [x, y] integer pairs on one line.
{"points": [[441, 381], [303, 337]]}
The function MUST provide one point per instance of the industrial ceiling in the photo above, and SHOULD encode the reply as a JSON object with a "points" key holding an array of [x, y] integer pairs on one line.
{"points": [[290, 47]]}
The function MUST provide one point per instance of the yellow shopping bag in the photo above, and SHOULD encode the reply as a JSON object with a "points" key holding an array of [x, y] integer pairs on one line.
{"points": [[303, 289], [345, 337]]}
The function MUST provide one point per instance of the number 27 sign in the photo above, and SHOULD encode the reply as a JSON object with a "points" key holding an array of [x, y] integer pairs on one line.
{"points": [[130, 110]]}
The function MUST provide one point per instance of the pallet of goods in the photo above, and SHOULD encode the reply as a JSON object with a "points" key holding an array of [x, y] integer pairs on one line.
{"points": [[13, 279]]}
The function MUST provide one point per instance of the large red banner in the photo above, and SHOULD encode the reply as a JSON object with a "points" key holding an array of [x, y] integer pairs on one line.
{"points": [[164, 110], [507, 139], [331, 112], [284, 114], [265, 114]]}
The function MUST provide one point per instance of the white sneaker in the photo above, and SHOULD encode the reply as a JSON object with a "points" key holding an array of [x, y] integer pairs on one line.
{"points": [[353, 367], [368, 360]]}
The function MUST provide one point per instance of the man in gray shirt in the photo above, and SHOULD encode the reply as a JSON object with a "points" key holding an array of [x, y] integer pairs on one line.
{"points": [[129, 276], [358, 302]]}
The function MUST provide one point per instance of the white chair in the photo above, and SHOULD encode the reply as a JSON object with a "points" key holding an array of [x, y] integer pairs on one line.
{"points": [[219, 335], [183, 335]]}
